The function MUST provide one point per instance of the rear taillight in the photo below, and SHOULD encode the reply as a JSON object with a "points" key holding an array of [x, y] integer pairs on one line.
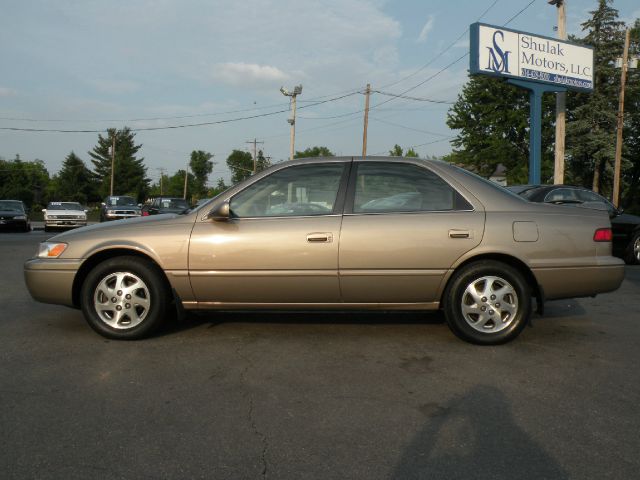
{"points": [[603, 235], [145, 214]]}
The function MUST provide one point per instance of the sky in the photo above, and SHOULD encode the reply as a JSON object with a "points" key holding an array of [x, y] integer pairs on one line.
{"points": [[92, 65]]}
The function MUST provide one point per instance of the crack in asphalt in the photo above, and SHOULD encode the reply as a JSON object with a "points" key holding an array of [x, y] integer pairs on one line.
{"points": [[251, 417]]}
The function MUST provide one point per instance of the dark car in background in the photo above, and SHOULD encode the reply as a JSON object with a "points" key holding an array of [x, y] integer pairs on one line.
{"points": [[626, 228], [119, 207], [13, 216], [161, 205]]}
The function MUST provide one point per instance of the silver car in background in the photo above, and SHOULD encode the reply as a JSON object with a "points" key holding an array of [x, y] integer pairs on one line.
{"points": [[337, 233], [64, 215]]}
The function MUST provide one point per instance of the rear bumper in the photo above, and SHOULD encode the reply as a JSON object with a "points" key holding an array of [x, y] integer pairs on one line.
{"points": [[51, 280], [573, 282]]}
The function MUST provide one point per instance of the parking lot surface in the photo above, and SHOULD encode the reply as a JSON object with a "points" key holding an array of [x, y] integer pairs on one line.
{"points": [[317, 395]]}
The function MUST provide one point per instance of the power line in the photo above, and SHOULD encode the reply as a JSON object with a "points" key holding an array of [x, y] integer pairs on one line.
{"points": [[170, 127], [409, 128], [451, 45], [418, 99], [518, 14]]}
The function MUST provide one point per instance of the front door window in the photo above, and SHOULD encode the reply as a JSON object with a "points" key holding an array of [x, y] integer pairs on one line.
{"points": [[303, 190]]}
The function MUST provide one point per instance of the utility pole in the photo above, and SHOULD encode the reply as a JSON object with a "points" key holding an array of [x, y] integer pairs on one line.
{"points": [[161, 175], [186, 177], [113, 158], [297, 90], [366, 121], [561, 99], [255, 154], [618, 158]]}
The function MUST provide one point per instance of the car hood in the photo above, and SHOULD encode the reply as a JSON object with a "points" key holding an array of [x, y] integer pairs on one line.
{"points": [[10, 213], [121, 207], [124, 226], [172, 210], [64, 212]]}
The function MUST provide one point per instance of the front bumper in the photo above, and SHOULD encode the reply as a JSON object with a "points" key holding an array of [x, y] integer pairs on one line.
{"points": [[118, 215], [51, 280], [11, 224], [65, 223]]}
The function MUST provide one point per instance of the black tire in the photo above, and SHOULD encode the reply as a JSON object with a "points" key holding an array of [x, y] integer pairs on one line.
{"points": [[142, 295], [632, 255], [495, 322], [47, 229]]}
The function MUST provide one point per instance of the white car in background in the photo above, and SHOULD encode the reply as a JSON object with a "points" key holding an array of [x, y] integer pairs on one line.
{"points": [[60, 215]]}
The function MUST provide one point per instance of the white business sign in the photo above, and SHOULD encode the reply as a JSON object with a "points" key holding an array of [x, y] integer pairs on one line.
{"points": [[508, 53]]}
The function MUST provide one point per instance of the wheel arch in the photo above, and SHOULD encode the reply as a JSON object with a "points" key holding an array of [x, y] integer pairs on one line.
{"points": [[103, 255], [523, 268]]}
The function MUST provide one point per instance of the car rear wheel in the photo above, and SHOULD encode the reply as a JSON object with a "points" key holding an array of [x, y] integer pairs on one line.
{"points": [[125, 298], [633, 250], [487, 303]]}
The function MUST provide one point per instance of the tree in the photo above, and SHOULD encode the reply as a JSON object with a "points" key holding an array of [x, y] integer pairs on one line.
{"points": [[74, 182], [396, 151], [174, 186], [26, 181], [314, 152], [201, 166], [411, 153], [591, 118], [493, 119], [219, 188], [130, 173], [241, 164]]}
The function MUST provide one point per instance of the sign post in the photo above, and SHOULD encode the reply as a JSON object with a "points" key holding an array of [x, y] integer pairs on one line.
{"points": [[539, 64]]}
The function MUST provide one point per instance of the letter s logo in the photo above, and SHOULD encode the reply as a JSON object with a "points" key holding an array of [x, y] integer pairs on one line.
{"points": [[498, 58]]}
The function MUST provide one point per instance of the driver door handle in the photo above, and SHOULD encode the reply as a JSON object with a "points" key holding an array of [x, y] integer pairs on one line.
{"points": [[320, 237], [459, 234]]}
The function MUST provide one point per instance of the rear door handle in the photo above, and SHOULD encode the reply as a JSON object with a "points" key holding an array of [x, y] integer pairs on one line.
{"points": [[459, 234], [320, 237]]}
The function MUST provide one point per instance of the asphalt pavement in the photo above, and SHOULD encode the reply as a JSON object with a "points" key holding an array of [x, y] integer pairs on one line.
{"points": [[317, 395]]}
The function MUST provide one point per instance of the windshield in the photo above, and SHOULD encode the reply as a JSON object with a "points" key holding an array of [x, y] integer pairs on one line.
{"points": [[120, 201], [173, 203], [64, 206], [11, 206]]}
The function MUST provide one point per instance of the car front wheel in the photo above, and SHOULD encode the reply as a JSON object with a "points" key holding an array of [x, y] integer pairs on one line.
{"points": [[487, 303], [125, 298]]}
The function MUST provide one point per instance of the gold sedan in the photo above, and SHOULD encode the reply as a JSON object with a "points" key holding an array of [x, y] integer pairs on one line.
{"points": [[336, 233]]}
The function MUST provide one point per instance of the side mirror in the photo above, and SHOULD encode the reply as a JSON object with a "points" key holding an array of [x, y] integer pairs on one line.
{"points": [[139, 205], [44, 210], [221, 213], [86, 210], [103, 204]]}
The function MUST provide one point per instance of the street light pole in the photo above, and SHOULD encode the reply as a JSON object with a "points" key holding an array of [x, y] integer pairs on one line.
{"points": [[113, 158], [561, 99], [297, 90], [366, 121]]}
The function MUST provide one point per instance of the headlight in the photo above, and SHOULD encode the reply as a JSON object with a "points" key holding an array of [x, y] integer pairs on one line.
{"points": [[20, 217], [50, 217], [51, 249]]}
